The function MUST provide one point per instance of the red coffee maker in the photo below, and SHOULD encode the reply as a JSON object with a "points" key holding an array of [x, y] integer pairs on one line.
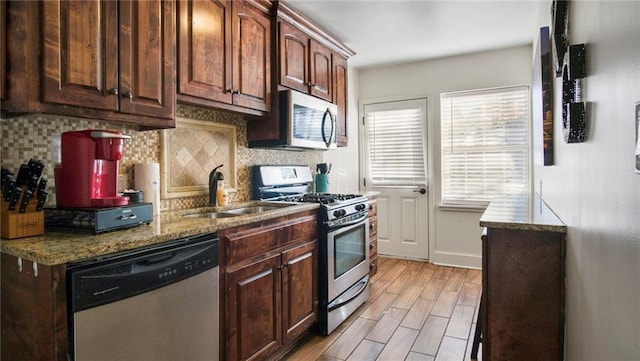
{"points": [[88, 174]]}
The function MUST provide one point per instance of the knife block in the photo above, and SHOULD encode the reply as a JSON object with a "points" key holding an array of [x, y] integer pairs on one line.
{"points": [[17, 225]]}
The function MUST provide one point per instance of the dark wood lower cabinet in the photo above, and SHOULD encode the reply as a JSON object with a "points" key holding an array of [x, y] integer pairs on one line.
{"points": [[373, 236], [523, 295], [271, 291], [33, 311], [253, 303]]}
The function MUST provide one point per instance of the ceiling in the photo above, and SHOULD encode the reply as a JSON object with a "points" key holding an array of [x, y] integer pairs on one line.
{"points": [[395, 31]]}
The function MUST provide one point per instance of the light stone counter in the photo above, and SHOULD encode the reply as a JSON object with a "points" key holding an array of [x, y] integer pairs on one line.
{"points": [[58, 247], [522, 212]]}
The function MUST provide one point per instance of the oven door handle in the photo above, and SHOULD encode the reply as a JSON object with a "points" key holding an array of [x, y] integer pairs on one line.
{"points": [[349, 295]]}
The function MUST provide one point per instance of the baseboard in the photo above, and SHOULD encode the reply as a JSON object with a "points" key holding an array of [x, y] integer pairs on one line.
{"points": [[456, 260]]}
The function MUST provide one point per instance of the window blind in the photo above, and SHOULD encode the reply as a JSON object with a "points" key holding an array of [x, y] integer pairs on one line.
{"points": [[396, 144], [485, 151]]}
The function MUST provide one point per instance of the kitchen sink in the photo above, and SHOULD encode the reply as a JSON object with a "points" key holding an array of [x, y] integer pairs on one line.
{"points": [[212, 215], [235, 212], [251, 210]]}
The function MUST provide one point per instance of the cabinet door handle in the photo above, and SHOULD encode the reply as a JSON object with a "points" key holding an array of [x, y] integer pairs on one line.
{"points": [[113, 91], [128, 95]]}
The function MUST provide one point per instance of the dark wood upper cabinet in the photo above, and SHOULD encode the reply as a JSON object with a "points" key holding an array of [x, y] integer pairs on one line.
{"points": [[204, 50], [320, 71], [251, 34], [225, 55], [111, 60], [110, 56], [294, 58], [305, 64], [340, 98], [309, 60], [80, 61], [147, 57]]}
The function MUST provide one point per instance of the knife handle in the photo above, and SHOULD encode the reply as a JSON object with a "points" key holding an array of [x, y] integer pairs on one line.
{"points": [[42, 187], [8, 189], [26, 197], [42, 197], [14, 198], [23, 175]]}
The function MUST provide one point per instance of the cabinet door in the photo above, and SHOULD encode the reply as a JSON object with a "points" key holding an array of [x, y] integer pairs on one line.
{"points": [[340, 98], [204, 51], [320, 71], [253, 304], [147, 38], [251, 38], [294, 58], [80, 53], [299, 289]]}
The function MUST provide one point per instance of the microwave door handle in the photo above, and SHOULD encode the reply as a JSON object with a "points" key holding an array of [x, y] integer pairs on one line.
{"points": [[334, 121], [324, 120]]}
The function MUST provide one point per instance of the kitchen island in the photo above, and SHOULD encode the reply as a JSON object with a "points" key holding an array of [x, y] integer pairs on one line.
{"points": [[523, 281]]}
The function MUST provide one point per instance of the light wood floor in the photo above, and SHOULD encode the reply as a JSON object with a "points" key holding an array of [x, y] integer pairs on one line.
{"points": [[417, 311]]}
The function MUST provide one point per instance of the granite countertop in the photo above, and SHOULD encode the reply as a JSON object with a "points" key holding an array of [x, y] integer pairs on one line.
{"points": [[58, 247], [522, 212]]}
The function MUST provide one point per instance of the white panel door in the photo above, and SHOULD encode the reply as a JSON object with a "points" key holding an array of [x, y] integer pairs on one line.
{"points": [[395, 166], [403, 222]]}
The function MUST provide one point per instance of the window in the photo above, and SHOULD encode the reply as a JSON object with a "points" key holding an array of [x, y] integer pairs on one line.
{"points": [[396, 142], [485, 145]]}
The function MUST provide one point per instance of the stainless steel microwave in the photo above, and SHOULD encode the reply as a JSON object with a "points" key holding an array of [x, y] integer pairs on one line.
{"points": [[306, 122], [310, 121]]}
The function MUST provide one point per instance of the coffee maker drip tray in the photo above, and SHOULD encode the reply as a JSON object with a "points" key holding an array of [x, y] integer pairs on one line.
{"points": [[98, 220]]}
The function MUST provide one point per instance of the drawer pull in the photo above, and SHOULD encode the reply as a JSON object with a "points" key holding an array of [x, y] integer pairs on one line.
{"points": [[127, 217]]}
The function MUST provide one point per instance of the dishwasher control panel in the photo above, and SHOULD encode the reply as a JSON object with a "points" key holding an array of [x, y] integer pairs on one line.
{"points": [[126, 275]]}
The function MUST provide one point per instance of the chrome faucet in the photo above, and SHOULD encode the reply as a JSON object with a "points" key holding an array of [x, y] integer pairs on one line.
{"points": [[214, 177]]}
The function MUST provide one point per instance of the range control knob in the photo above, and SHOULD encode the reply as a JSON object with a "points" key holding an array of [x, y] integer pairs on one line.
{"points": [[339, 213], [360, 207]]}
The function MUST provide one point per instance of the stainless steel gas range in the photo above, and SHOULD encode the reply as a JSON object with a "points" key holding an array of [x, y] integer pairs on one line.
{"points": [[343, 236]]}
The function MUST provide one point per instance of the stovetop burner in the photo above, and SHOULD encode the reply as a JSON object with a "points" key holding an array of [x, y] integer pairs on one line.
{"points": [[321, 198]]}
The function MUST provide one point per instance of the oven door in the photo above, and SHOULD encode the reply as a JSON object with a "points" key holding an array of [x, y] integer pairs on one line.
{"points": [[348, 256]]}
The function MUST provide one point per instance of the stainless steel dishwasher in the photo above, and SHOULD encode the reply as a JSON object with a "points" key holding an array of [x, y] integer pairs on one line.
{"points": [[158, 303]]}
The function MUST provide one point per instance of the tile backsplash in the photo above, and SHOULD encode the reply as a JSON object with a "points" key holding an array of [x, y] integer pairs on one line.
{"points": [[29, 136]]}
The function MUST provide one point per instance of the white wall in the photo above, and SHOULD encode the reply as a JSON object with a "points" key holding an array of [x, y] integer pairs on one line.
{"points": [[593, 187], [454, 235], [344, 173]]}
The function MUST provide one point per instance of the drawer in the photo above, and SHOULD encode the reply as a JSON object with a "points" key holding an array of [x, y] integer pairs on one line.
{"points": [[301, 230], [373, 208], [243, 245], [373, 227]]}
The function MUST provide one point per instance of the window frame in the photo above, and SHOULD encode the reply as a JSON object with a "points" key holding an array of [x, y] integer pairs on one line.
{"points": [[474, 204], [422, 103]]}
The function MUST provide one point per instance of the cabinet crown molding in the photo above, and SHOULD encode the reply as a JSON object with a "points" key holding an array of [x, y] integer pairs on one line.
{"points": [[284, 12]]}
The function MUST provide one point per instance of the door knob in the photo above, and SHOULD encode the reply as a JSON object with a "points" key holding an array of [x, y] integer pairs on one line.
{"points": [[421, 191]]}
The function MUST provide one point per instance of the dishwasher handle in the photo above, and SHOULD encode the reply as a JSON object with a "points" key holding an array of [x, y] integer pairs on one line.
{"points": [[153, 264]]}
